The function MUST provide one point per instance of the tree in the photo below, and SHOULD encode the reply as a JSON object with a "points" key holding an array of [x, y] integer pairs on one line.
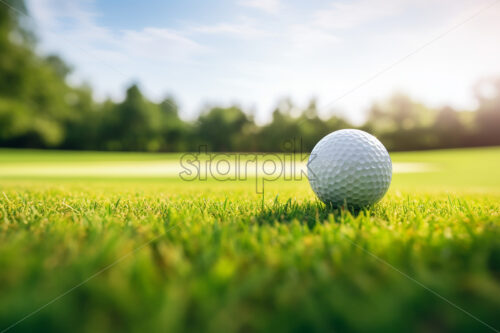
{"points": [[134, 124], [449, 129], [302, 132], [221, 129], [175, 132], [33, 105], [488, 113], [402, 124]]}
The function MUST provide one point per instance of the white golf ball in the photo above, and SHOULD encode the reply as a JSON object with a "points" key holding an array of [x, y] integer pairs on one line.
{"points": [[349, 167]]}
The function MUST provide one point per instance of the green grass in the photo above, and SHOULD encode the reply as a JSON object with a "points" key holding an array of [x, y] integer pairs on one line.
{"points": [[151, 254]]}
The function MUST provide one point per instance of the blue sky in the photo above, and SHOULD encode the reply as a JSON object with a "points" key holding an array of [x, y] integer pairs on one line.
{"points": [[254, 52]]}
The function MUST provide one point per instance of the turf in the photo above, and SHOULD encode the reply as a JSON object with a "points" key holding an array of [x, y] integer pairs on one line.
{"points": [[151, 254]]}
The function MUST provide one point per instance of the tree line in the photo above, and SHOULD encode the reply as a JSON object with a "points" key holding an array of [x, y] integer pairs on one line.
{"points": [[39, 109]]}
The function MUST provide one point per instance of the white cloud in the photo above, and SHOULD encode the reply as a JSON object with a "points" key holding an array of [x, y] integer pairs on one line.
{"points": [[71, 25], [306, 40], [237, 30], [156, 43], [305, 52], [108, 58], [50, 13], [268, 6], [345, 15]]}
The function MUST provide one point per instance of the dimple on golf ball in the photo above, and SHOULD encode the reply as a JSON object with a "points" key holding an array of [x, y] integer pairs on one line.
{"points": [[349, 167]]}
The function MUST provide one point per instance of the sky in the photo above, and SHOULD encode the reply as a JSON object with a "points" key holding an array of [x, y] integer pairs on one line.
{"points": [[345, 54]]}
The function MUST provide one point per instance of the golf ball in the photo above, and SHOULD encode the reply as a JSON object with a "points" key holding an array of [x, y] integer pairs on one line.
{"points": [[349, 167]]}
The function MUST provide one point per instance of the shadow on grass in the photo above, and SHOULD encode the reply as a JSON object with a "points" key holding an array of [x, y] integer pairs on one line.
{"points": [[309, 212]]}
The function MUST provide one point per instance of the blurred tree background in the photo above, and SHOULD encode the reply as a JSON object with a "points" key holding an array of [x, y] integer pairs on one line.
{"points": [[39, 109]]}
